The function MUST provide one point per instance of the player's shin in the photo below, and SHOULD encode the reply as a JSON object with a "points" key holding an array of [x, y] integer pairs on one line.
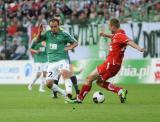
{"points": [[42, 84], [84, 91], [31, 84], [74, 81], [68, 86]]}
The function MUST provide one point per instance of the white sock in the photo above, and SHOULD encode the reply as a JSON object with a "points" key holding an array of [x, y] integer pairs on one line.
{"points": [[120, 91], [32, 82], [58, 89], [42, 83], [68, 85]]}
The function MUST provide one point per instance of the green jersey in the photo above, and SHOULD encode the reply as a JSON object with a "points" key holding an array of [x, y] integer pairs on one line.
{"points": [[42, 56], [55, 44]]}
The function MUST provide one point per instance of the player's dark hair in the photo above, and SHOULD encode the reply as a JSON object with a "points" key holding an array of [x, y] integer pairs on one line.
{"points": [[115, 22], [55, 20]]}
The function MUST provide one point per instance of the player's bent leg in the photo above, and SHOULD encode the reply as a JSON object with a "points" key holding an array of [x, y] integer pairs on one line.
{"points": [[51, 85], [32, 82], [122, 93], [68, 86], [108, 86], [74, 80], [54, 93], [107, 73], [75, 84], [87, 85], [42, 84]]}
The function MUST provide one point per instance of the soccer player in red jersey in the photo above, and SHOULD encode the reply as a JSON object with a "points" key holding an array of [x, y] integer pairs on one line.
{"points": [[111, 65]]}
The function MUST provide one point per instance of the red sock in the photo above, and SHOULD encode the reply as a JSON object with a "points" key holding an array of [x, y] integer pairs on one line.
{"points": [[84, 91], [109, 86]]}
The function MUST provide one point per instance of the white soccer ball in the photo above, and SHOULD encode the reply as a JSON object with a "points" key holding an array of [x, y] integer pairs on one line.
{"points": [[98, 97]]}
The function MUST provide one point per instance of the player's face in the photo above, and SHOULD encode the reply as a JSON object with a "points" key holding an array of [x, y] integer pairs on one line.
{"points": [[54, 26], [111, 28]]}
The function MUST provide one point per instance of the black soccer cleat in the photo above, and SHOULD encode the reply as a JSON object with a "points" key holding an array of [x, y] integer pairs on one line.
{"points": [[123, 95]]}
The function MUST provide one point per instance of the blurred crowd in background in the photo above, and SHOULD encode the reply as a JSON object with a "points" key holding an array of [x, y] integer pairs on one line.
{"points": [[19, 15]]}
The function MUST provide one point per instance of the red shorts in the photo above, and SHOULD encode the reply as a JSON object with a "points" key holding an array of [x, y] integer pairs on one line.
{"points": [[107, 70]]}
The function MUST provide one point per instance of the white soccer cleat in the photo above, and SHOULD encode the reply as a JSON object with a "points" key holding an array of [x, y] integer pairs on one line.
{"points": [[29, 87], [42, 90]]}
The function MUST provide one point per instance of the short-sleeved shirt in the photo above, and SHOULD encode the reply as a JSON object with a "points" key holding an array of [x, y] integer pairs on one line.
{"points": [[42, 56], [56, 43], [117, 48]]}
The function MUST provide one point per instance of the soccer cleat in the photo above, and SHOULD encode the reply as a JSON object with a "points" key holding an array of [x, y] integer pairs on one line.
{"points": [[69, 96], [67, 100], [42, 90], [123, 95], [29, 87], [77, 101]]}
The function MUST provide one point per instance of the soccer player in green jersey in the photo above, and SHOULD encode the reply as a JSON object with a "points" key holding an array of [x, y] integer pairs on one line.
{"points": [[57, 52], [73, 77], [40, 59]]}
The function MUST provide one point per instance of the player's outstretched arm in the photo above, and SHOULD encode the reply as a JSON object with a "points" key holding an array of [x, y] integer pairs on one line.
{"points": [[106, 35], [134, 45], [34, 51], [36, 38], [71, 46]]}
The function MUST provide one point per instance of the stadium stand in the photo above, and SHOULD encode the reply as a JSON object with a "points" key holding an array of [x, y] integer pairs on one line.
{"points": [[18, 16]]}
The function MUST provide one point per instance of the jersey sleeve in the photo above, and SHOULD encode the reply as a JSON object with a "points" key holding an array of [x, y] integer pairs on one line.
{"points": [[69, 38], [122, 38]]}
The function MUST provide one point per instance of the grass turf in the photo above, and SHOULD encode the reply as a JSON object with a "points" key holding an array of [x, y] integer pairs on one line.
{"points": [[17, 104]]}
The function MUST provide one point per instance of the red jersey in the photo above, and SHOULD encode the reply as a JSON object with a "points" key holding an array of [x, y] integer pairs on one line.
{"points": [[117, 47]]}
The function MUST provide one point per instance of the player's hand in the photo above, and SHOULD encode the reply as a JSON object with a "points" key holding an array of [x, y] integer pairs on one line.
{"points": [[43, 43], [67, 48], [38, 51], [102, 34], [142, 50]]}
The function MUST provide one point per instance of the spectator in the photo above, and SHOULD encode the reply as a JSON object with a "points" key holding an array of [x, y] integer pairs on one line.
{"points": [[19, 52], [23, 15], [12, 29], [2, 54]]}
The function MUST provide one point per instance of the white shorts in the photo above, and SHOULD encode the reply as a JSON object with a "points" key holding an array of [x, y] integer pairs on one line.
{"points": [[55, 68], [41, 67]]}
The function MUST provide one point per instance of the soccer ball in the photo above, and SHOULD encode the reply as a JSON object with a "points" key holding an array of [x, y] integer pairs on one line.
{"points": [[98, 97]]}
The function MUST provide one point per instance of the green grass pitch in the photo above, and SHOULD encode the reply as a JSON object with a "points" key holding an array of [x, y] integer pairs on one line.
{"points": [[17, 104]]}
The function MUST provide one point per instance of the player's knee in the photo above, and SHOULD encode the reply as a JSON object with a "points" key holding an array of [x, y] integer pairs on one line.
{"points": [[65, 74], [38, 74], [99, 81], [44, 74]]}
